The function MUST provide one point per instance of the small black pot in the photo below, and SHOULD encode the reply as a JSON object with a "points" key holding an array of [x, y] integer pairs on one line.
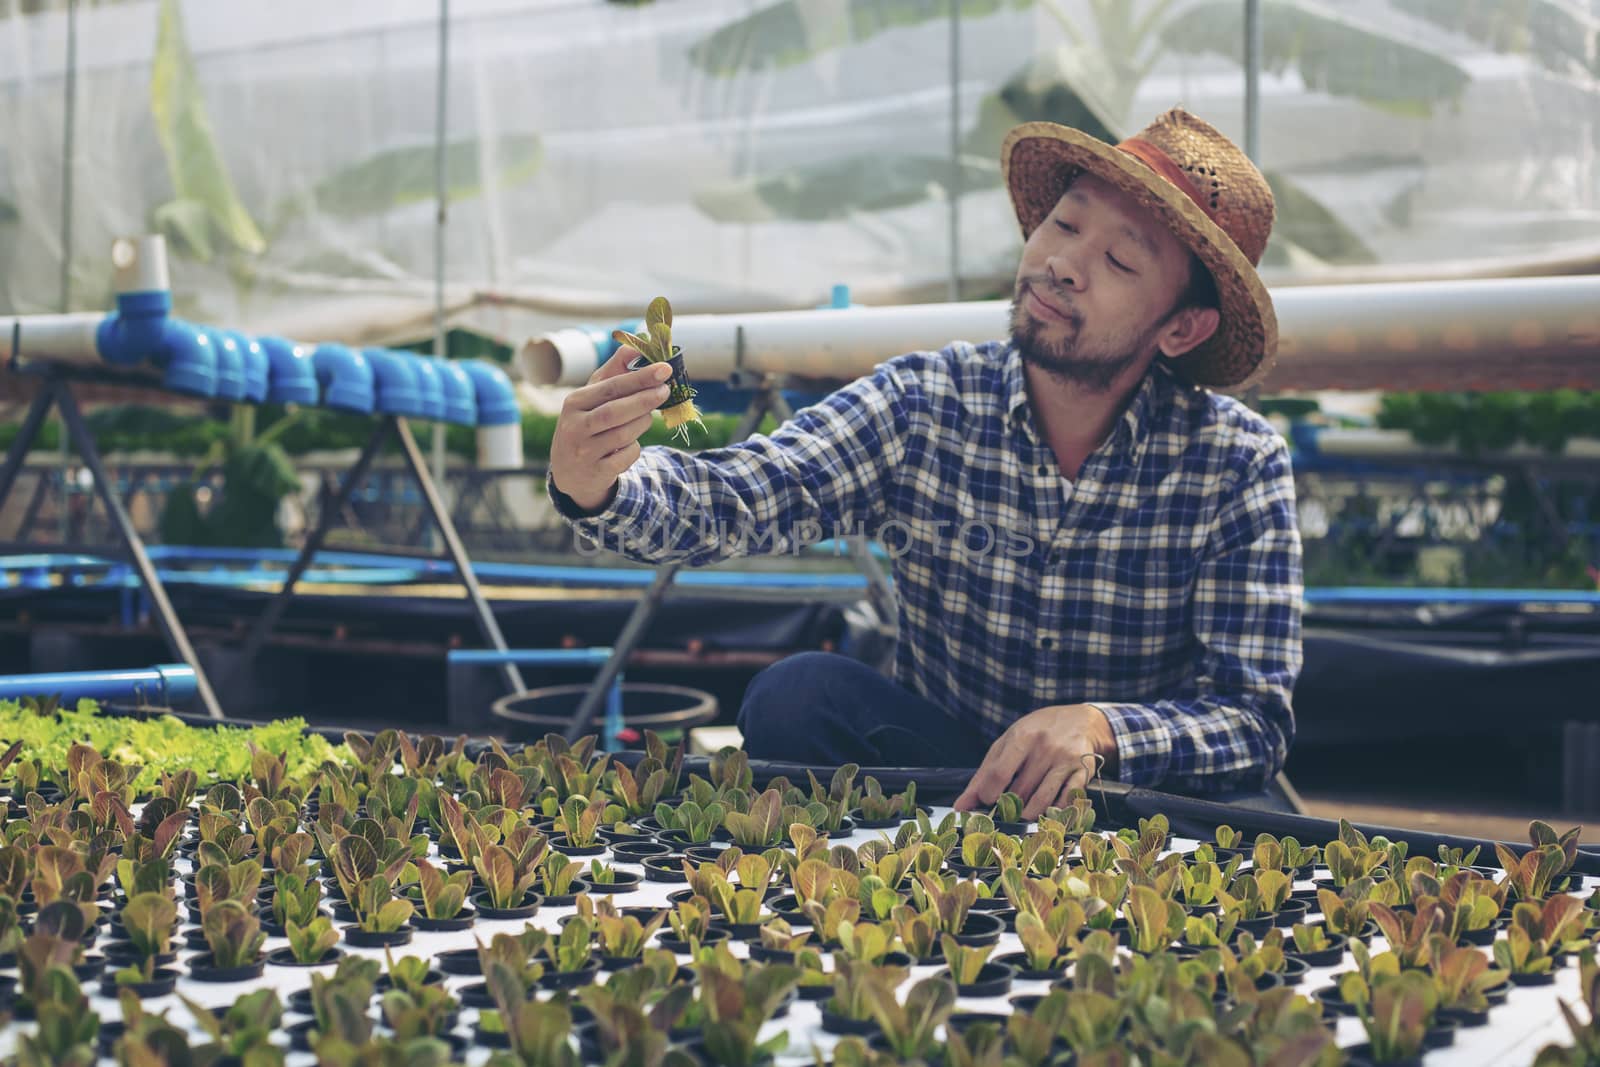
{"points": [[122, 953], [475, 995], [1361, 1056], [704, 853], [1525, 980], [787, 908], [531, 902], [1463, 1018], [1481, 938], [201, 969], [300, 1034], [1294, 970], [462, 921], [842, 1025], [864, 823], [1018, 962], [847, 826], [164, 982], [1293, 911], [981, 928], [567, 900], [962, 1021], [672, 944], [90, 967], [1327, 957], [272, 929], [639, 851], [489, 1038], [625, 882], [459, 961], [1332, 1001], [762, 954], [983, 874], [359, 938], [664, 869], [679, 379], [1258, 926], [284, 957], [994, 980], [561, 845], [571, 979]]}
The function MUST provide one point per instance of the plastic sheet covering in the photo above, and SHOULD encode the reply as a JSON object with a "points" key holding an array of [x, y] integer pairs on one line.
{"points": [[744, 153]]}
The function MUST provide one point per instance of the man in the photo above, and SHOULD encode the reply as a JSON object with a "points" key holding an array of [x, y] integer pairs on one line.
{"points": [[1102, 567]]}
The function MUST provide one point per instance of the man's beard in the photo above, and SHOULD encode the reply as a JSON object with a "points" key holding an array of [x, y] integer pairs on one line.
{"points": [[1065, 360]]}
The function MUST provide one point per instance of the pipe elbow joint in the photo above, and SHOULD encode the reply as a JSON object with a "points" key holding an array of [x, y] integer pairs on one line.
{"points": [[395, 380], [291, 372], [188, 359], [495, 395], [460, 399], [345, 377], [133, 333]]}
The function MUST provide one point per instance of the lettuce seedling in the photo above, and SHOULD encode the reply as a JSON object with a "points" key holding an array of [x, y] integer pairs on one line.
{"points": [[580, 819], [339, 1001], [297, 898], [761, 826], [1154, 922], [947, 904], [697, 823], [1346, 864], [557, 873], [1585, 1048], [233, 933], [1470, 903], [1072, 820], [836, 798], [148, 918], [1346, 913], [854, 984], [1208, 930], [443, 895], [875, 806], [509, 871], [917, 930], [778, 936], [1048, 939], [828, 920], [1409, 936], [377, 909], [625, 937], [1311, 937], [1532, 875], [426, 1012], [657, 347], [866, 942], [309, 942], [1008, 808], [1461, 976], [690, 919], [909, 1028], [1395, 1012], [737, 1006]]}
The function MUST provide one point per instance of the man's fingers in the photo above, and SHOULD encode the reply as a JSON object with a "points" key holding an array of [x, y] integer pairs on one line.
{"points": [[1047, 792], [999, 767], [620, 436], [615, 387], [619, 461], [1036, 765], [616, 365], [621, 412]]}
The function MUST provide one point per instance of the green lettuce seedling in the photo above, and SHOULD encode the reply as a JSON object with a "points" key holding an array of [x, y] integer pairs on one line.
{"points": [[310, 942], [233, 933], [657, 347]]}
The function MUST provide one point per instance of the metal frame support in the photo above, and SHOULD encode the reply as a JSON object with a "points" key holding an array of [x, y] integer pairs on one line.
{"points": [[395, 426], [768, 399], [55, 390]]}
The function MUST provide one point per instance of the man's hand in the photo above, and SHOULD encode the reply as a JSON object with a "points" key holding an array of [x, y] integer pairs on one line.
{"points": [[597, 433], [1042, 757]]}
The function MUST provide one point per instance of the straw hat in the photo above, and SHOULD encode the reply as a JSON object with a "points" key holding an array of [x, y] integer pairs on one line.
{"points": [[1203, 188]]}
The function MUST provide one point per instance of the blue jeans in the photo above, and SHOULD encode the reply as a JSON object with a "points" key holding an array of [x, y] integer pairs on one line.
{"points": [[825, 709]]}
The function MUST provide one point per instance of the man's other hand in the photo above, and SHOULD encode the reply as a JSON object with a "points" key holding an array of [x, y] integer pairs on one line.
{"points": [[1042, 757]]}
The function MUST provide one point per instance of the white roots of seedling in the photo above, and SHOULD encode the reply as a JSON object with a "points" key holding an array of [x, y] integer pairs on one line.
{"points": [[679, 416]]}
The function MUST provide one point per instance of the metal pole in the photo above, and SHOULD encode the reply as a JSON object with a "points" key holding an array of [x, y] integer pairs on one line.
{"points": [[458, 553], [1252, 80], [955, 150], [441, 195], [64, 292], [177, 639], [24, 439]]}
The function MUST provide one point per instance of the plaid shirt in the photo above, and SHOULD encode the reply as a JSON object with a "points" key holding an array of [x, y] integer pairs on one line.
{"points": [[1162, 586]]}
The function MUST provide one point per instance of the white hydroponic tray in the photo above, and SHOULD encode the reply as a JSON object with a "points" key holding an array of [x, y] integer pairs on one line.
{"points": [[1527, 1021]]}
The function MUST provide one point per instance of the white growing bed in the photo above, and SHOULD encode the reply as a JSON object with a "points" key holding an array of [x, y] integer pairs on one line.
{"points": [[1527, 1021]]}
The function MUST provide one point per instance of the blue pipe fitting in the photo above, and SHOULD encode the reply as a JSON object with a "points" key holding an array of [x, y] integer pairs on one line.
{"points": [[134, 331], [187, 358], [230, 366], [396, 383], [430, 389], [291, 372], [497, 400], [163, 686], [255, 366], [460, 402], [346, 379]]}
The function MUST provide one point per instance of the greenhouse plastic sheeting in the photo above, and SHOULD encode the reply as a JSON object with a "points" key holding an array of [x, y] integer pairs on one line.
{"points": [[737, 153]]}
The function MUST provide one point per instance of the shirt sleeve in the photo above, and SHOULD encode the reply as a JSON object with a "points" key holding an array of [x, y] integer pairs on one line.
{"points": [[1234, 734], [824, 473]]}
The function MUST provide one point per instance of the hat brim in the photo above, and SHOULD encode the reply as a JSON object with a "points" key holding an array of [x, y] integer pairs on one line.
{"points": [[1038, 159]]}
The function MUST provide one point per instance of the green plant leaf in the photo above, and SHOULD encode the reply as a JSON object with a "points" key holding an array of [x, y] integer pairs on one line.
{"points": [[396, 177]]}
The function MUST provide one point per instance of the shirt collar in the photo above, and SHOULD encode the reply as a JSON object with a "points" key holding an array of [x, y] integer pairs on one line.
{"points": [[1131, 432]]}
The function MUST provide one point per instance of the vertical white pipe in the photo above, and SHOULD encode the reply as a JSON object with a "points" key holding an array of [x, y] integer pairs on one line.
{"points": [[441, 194], [69, 127]]}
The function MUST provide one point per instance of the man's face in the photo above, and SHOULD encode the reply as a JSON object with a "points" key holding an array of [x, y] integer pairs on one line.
{"points": [[1096, 285]]}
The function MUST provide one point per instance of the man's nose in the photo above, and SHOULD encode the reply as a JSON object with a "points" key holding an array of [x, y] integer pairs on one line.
{"points": [[1065, 272]]}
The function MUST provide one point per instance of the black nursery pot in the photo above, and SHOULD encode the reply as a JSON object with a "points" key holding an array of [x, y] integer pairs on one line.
{"points": [[864, 823], [680, 374], [639, 851], [1361, 1056], [566, 848], [284, 957], [672, 944], [1323, 957], [962, 1021], [459, 961], [164, 982], [300, 1034], [664, 869], [359, 938], [571, 979], [203, 969], [123, 953], [1545, 978], [1018, 961], [461, 921], [530, 903], [994, 980], [622, 882], [1293, 911], [981, 928], [845, 1026]]}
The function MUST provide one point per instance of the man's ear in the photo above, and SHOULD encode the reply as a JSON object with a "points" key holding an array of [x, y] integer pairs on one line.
{"points": [[1187, 330]]}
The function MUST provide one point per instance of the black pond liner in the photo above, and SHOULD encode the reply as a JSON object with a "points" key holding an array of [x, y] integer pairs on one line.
{"points": [[459, 961], [359, 938], [164, 982], [665, 939], [1327, 957], [664, 869], [638, 851], [202, 969], [1018, 961], [531, 903], [994, 980], [283, 957], [981, 928], [843, 1025], [561, 845], [462, 921]]}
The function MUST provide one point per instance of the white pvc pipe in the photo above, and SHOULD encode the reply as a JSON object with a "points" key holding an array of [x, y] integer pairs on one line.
{"points": [[500, 447], [1496, 333], [140, 263], [52, 338]]}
